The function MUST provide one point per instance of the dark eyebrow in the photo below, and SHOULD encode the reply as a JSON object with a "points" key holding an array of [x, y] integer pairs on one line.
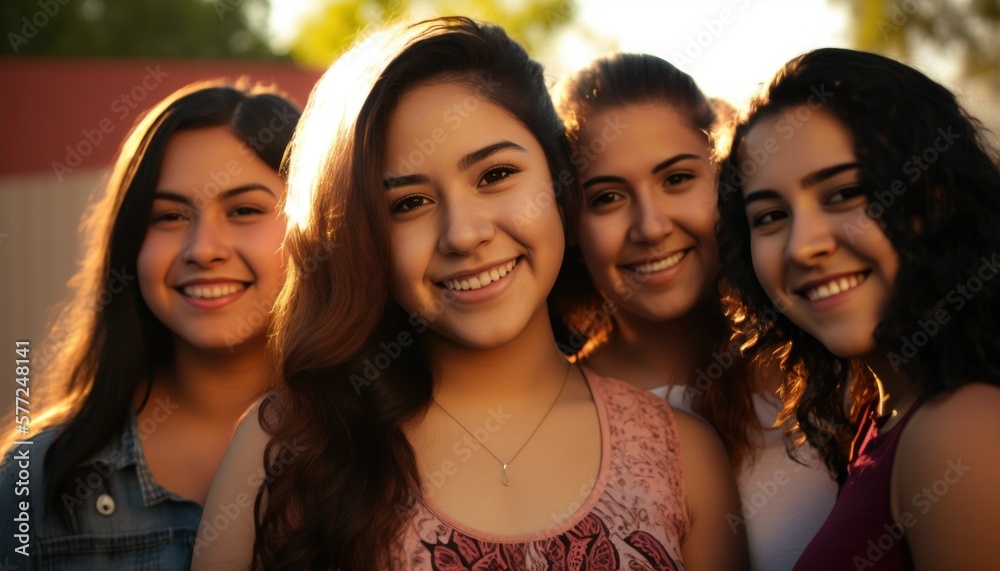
{"points": [[807, 181], [599, 179], [760, 195], [673, 160], [829, 172], [176, 197], [476, 156], [397, 181]]}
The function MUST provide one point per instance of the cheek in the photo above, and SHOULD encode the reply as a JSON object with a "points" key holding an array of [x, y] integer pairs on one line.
{"points": [[262, 247], [601, 239], [406, 264], [768, 264], [153, 262]]}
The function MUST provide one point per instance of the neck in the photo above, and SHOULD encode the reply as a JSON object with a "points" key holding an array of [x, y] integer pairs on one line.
{"points": [[670, 350], [216, 386], [506, 374]]}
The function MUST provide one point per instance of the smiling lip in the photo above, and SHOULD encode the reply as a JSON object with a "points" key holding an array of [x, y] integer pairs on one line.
{"points": [[480, 278], [831, 287], [653, 265], [484, 292], [211, 294]]}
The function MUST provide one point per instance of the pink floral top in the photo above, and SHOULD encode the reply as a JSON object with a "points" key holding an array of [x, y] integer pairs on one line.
{"points": [[634, 518]]}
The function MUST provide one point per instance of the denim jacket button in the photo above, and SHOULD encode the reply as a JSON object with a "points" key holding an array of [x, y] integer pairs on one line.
{"points": [[105, 504]]}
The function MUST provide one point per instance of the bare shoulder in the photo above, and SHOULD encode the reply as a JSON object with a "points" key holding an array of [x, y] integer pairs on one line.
{"points": [[695, 433], [971, 411], [945, 475], [226, 534]]}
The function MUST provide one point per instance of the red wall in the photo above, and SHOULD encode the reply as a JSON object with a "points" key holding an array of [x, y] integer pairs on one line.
{"points": [[89, 105]]}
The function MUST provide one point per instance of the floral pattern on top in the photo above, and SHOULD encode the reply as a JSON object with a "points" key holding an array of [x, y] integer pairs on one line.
{"points": [[634, 519]]}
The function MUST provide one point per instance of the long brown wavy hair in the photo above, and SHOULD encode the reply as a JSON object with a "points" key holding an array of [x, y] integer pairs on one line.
{"points": [[942, 223], [105, 342], [627, 79], [347, 391]]}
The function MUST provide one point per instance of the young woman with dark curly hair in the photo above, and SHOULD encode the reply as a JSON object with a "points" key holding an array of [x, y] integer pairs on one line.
{"points": [[427, 419], [859, 214]]}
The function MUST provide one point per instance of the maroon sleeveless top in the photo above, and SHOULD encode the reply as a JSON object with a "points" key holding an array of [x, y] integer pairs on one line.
{"points": [[860, 532]]}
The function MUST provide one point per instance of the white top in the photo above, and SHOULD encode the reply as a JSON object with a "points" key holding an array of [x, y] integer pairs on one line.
{"points": [[680, 397], [784, 503]]}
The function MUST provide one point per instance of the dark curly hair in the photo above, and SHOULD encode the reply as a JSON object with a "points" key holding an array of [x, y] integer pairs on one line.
{"points": [[933, 187]]}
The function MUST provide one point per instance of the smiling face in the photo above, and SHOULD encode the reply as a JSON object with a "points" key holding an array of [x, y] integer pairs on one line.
{"points": [[477, 237], [647, 230], [210, 264], [817, 254]]}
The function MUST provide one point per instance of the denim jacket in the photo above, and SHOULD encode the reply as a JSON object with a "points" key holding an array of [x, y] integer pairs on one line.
{"points": [[118, 516]]}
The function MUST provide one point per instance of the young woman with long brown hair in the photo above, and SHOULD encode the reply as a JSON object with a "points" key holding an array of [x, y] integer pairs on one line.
{"points": [[427, 418], [162, 342]]}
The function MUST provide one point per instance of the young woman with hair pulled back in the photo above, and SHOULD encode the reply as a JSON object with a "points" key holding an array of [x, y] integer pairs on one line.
{"points": [[645, 308]]}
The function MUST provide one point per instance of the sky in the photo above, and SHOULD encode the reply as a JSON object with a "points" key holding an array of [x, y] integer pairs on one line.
{"points": [[728, 46]]}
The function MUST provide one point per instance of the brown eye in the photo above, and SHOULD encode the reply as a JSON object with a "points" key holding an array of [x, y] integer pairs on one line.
{"points": [[408, 204], [604, 198], [497, 174]]}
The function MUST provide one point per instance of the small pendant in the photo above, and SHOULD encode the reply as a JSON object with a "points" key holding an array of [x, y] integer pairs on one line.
{"points": [[506, 479]]}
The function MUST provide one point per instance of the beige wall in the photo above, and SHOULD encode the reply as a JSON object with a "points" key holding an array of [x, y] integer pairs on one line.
{"points": [[39, 246]]}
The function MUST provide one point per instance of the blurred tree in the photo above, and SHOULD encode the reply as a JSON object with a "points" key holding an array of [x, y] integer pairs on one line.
{"points": [[338, 22], [969, 27], [141, 28]]}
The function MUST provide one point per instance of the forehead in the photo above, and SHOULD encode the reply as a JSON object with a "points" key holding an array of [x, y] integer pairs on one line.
{"points": [[783, 148], [434, 122], [194, 157], [637, 136]]}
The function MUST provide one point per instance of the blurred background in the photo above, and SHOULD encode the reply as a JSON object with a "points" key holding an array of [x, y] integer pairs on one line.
{"points": [[76, 74]]}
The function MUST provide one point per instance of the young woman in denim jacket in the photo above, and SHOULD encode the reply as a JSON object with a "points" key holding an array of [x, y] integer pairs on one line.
{"points": [[161, 347]]}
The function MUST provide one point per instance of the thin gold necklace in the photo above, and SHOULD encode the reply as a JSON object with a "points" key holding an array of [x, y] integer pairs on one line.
{"points": [[506, 479]]}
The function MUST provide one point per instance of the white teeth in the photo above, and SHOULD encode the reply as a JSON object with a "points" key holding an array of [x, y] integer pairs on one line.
{"points": [[834, 287], [211, 292], [480, 280], [659, 265]]}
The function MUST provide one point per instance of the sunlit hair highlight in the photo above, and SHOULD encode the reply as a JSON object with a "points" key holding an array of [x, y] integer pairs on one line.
{"points": [[344, 502], [942, 224]]}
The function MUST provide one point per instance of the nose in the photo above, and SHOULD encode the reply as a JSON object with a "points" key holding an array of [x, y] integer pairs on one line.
{"points": [[208, 242], [651, 221], [465, 224], [810, 240]]}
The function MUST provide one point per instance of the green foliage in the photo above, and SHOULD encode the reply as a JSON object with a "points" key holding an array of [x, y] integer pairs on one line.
{"points": [[339, 22], [968, 28], [136, 28]]}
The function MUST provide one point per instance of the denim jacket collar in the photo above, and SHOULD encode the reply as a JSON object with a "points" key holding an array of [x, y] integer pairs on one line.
{"points": [[126, 450]]}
